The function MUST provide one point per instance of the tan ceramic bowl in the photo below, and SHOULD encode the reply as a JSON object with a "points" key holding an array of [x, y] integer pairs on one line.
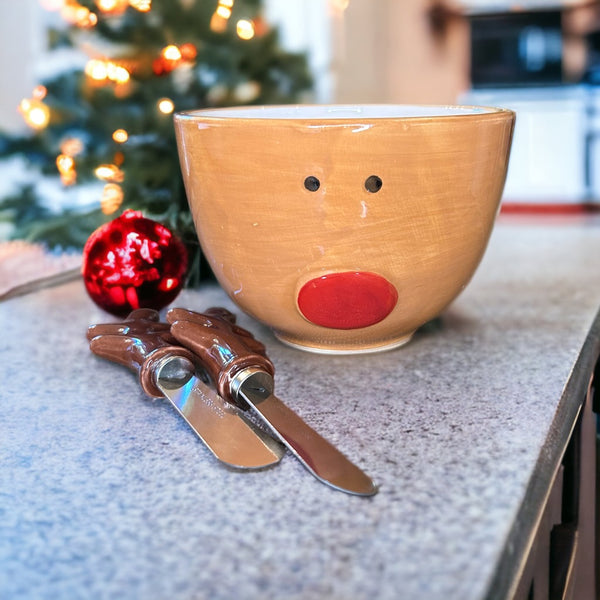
{"points": [[344, 228]]}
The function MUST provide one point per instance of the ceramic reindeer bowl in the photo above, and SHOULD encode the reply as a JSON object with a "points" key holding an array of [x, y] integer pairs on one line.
{"points": [[344, 228]]}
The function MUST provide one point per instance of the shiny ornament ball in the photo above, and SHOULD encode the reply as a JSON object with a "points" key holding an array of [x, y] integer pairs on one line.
{"points": [[133, 262]]}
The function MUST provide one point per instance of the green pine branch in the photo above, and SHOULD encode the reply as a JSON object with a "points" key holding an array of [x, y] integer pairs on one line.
{"points": [[92, 112]]}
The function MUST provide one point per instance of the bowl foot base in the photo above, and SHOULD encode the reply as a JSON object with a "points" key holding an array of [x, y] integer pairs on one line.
{"points": [[343, 348]]}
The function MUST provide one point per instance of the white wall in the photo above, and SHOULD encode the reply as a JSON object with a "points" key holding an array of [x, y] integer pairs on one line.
{"points": [[22, 38], [305, 26], [377, 50], [392, 55]]}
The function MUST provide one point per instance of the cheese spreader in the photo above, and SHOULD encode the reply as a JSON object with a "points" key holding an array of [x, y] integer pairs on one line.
{"points": [[243, 374], [144, 344]]}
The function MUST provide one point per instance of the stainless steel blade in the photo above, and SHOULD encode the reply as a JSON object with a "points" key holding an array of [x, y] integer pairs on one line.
{"points": [[319, 456], [222, 427]]}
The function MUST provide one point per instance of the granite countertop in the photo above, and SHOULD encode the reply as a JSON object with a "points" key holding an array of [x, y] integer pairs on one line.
{"points": [[106, 494]]}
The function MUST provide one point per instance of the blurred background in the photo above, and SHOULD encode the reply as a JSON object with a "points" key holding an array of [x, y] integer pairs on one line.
{"points": [[60, 118]]}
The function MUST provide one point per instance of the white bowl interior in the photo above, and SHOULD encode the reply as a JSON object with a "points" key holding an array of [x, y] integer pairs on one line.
{"points": [[322, 112]]}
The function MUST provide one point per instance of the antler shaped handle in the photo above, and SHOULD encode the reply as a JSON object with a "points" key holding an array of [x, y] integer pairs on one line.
{"points": [[224, 348], [139, 343]]}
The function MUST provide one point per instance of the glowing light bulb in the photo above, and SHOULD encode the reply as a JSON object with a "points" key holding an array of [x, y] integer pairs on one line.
{"points": [[188, 51], [171, 52], [245, 29], [117, 73], [39, 92], [109, 173], [80, 16], [223, 11], [141, 5], [166, 106], [107, 5], [120, 136], [71, 146], [218, 24], [112, 198], [35, 113], [96, 70], [64, 163], [66, 168]]}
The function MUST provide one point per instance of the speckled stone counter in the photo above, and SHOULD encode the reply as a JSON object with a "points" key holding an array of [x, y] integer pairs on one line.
{"points": [[106, 494]]}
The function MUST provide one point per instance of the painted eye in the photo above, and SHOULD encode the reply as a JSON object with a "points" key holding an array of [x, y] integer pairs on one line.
{"points": [[312, 184], [373, 184]]}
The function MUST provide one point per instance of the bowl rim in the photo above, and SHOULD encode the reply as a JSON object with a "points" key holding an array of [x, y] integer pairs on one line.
{"points": [[342, 113]]}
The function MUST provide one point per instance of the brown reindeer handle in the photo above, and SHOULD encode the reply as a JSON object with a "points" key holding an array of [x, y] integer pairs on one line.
{"points": [[224, 348], [139, 342]]}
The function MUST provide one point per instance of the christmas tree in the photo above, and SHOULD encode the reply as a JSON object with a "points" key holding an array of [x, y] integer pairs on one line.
{"points": [[103, 128]]}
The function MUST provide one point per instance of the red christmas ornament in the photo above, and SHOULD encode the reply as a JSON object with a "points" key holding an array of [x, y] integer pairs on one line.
{"points": [[133, 262]]}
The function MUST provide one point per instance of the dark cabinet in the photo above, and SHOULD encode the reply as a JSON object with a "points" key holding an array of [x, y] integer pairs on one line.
{"points": [[563, 561]]}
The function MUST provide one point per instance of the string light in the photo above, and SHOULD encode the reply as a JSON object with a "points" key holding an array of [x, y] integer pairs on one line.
{"points": [[120, 136], [188, 51], [39, 92], [218, 22], [117, 73], [106, 5], [166, 106], [86, 19], [65, 163], [173, 56], [96, 69], [71, 146], [141, 5], [112, 6], [66, 168], [171, 52], [112, 198], [223, 11], [260, 26], [109, 173], [35, 113], [245, 29], [76, 14], [101, 70]]}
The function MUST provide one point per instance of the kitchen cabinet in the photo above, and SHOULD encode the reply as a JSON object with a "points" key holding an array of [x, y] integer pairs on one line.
{"points": [[562, 561], [549, 155]]}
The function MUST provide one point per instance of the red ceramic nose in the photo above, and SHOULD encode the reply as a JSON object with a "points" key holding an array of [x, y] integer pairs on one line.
{"points": [[348, 300]]}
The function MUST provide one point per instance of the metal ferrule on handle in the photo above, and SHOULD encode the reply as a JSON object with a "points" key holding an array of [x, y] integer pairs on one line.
{"points": [[258, 380]]}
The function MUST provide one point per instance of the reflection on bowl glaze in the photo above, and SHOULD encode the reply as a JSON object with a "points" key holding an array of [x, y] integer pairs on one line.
{"points": [[344, 228]]}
